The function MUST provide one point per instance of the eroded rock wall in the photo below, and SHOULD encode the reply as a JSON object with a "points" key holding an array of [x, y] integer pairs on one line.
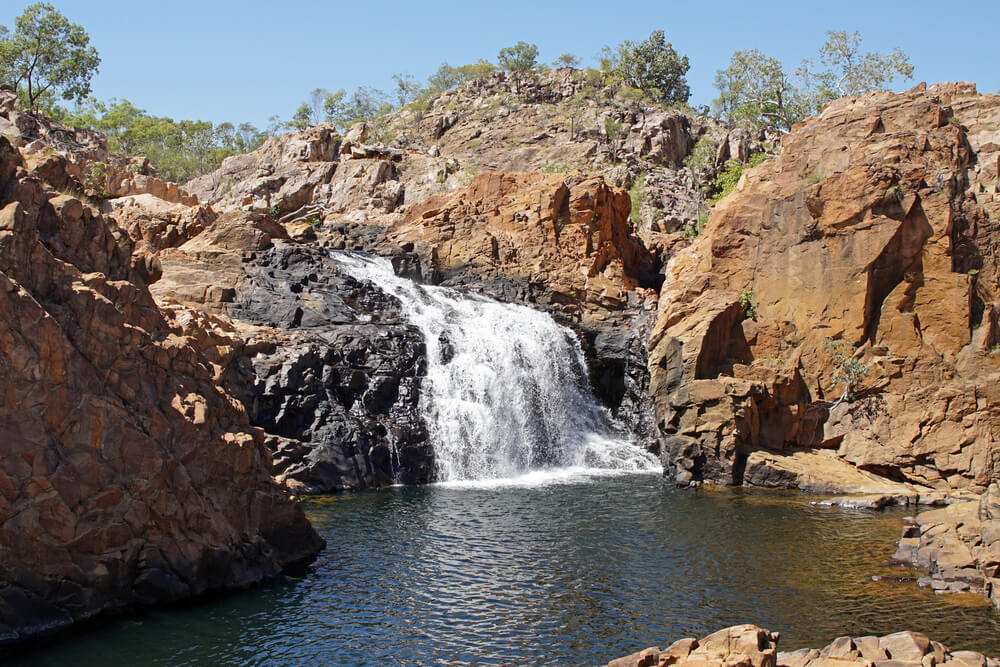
{"points": [[128, 476], [875, 226]]}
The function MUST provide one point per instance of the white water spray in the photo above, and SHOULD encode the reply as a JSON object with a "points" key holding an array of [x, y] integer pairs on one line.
{"points": [[506, 392]]}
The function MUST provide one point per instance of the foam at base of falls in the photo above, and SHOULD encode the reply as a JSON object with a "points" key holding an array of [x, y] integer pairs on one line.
{"points": [[506, 393]]}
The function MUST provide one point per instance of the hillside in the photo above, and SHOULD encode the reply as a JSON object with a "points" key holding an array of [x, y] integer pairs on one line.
{"points": [[865, 243]]}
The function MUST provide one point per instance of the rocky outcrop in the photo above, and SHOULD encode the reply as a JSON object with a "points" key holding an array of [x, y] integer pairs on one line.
{"points": [[958, 546], [157, 223], [873, 227], [751, 646], [128, 476], [42, 139], [78, 159], [283, 173], [560, 241], [324, 364]]}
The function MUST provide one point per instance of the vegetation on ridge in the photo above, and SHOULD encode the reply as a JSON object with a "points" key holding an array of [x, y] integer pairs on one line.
{"points": [[47, 58], [756, 93]]}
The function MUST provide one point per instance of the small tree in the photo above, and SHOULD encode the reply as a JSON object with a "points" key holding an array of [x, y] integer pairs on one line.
{"points": [[302, 118], [335, 108], [755, 93], [653, 67], [847, 369], [854, 73], [316, 99], [567, 60], [407, 88], [46, 55], [519, 61]]}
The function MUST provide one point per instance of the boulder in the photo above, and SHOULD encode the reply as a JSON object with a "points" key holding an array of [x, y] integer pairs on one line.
{"points": [[751, 646], [958, 545]]}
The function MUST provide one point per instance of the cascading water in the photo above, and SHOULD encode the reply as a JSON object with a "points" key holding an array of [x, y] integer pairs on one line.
{"points": [[506, 390]]}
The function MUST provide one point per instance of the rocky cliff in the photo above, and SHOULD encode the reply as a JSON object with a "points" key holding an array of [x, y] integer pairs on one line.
{"points": [[876, 226], [128, 475], [407, 188], [872, 230]]}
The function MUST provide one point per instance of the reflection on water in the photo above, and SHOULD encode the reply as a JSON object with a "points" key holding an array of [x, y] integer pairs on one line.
{"points": [[574, 572]]}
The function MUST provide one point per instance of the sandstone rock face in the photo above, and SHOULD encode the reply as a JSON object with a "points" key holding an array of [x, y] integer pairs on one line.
{"points": [[663, 137], [873, 227], [157, 223], [751, 646], [127, 475], [283, 172], [958, 545], [560, 240]]}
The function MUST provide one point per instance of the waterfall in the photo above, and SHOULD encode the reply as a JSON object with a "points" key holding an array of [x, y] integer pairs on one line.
{"points": [[506, 391]]}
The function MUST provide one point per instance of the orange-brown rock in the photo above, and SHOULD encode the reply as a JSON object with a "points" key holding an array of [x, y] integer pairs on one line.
{"points": [[958, 546], [751, 646], [876, 226], [127, 475], [283, 173], [563, 239]]}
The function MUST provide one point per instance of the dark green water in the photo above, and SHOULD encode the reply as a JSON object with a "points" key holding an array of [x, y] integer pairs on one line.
{"points": [[569, 573]]}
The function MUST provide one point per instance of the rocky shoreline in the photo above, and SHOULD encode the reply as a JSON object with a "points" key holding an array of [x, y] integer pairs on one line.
{"points": [[751, 646], [958, 546]]}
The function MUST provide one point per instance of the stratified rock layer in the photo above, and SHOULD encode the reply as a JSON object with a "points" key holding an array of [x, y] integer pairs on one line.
{"points": [[127, 475], [876, 226], [958, 545], [751, 646]]}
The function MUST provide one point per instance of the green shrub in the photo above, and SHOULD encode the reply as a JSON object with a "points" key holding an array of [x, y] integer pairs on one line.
{"points": [[847, 369], [726, 180], [748, 304], [614, 128], [96, 179], [637, 193], [702, 156]]}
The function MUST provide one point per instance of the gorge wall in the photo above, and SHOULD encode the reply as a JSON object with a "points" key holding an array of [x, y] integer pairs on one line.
{"points": [[128, 475], [876, 225]]}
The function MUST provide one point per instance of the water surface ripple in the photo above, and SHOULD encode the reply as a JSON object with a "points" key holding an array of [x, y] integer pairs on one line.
{"points": [[570, 572]]}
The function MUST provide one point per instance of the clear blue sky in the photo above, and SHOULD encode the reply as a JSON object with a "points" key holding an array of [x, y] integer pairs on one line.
{"points": [[245, 61]]}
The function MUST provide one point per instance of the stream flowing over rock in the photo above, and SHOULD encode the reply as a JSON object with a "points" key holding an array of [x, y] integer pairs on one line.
{"points": [[506, 391], [128, 475]]}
